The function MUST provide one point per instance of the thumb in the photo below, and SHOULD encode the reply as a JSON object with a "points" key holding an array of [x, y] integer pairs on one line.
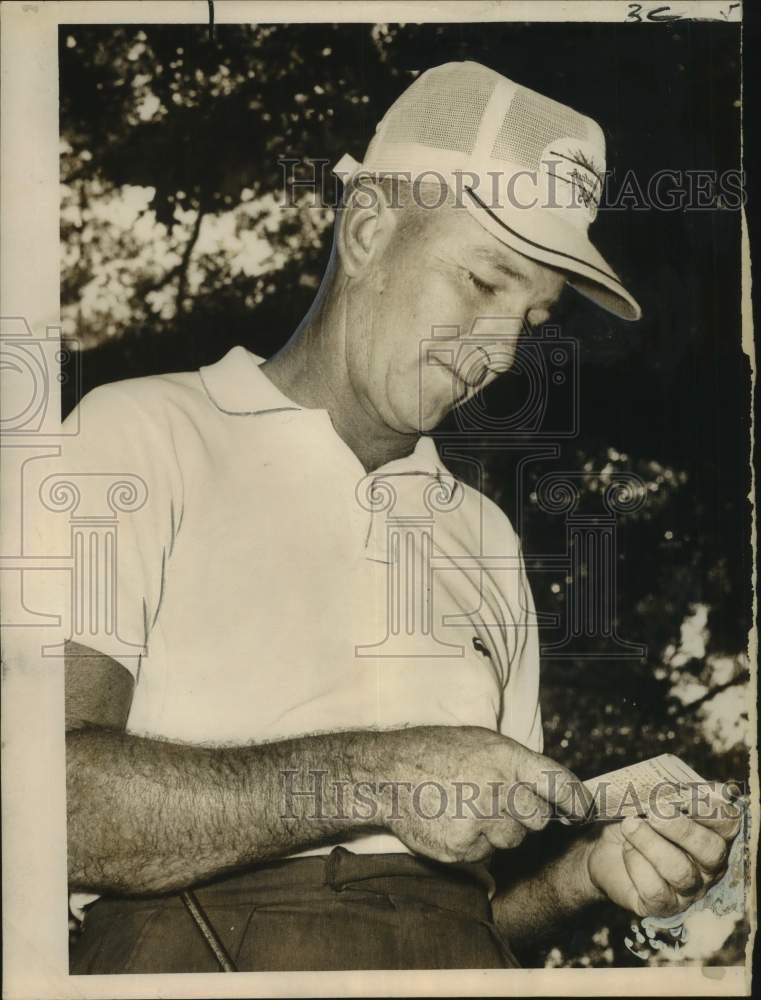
{"points": [[556, 785]]}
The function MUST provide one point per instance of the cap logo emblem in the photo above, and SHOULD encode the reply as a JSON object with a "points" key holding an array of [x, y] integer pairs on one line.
{"points": [[574, 167]]}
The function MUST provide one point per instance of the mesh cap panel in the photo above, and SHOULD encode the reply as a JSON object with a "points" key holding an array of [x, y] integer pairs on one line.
{"points": [[465, 120], [445, 116], [530, 124]]}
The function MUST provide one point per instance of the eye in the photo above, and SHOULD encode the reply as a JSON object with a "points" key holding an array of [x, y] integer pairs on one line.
{"points": [[482, 286]]}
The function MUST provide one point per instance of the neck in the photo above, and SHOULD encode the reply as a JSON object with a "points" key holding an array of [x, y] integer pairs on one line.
{"points": [[311, 370]]}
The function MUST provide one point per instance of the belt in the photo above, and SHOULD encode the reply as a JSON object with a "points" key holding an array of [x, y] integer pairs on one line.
{"points": [[469, 887]]}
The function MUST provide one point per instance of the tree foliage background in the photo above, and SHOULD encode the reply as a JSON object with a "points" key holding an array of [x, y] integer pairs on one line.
{"points": [[177, 243]]}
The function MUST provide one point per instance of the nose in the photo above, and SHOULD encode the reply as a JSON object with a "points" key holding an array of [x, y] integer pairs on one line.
{"points": [[489, 347]]}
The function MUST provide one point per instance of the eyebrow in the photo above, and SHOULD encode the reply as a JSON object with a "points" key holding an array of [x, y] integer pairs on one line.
{"points": [[499, 263], [495, 260]]}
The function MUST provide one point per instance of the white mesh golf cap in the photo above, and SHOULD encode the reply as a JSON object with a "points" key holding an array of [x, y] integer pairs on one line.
{"points": [[528, 169]]}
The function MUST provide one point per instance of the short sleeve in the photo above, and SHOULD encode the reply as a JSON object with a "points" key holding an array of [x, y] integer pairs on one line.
{"points": [[522, 716], [518, 653], [115, 483]]}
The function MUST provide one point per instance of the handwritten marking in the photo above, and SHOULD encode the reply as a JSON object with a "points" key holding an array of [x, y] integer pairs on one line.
{"points": [[655, 14]]}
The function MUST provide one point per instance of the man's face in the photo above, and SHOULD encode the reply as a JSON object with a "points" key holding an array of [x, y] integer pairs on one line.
{"points": [[441, 278]]}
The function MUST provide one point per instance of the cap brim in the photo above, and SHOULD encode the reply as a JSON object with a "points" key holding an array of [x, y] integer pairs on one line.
{"points": [[542, 236]]}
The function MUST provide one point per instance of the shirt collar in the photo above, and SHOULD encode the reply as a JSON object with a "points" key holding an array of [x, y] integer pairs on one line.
{"points": [[238, 387]]}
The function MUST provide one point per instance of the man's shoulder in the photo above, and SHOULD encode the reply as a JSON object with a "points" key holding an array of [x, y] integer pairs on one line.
{"points": [[149, 388], [148, 394], [231, 386]]}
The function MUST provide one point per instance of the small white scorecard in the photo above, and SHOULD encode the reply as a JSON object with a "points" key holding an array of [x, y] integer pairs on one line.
{"points": [[661, 783]]}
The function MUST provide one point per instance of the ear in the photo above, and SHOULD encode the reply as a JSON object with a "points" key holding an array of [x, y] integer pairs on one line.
{"points": [[364, 226]]}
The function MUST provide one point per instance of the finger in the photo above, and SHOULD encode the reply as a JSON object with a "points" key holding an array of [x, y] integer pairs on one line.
{"points": [[524, 806], [654, 896], [671, 863], [556, 785], [711, 806], [726, 827], [480, 849], [708, 850], [726, 791], [465, 841], [503, 833]]}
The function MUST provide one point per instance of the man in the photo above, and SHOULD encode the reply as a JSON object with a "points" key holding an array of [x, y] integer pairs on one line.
{"points": [[292, 713]]}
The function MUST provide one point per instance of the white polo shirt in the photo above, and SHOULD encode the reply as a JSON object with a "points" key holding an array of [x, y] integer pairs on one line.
{"points": [[260, 581]]}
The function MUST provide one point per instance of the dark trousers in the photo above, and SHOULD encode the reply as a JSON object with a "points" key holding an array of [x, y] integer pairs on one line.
{"points": [[333, 912]]}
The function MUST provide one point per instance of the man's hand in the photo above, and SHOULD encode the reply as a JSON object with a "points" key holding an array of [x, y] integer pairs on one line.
{"points": [[653, 867], [659, 866], [469, 790]]}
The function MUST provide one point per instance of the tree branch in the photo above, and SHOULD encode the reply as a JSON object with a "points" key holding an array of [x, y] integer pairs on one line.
{"points": [[741, 678], [182, 267]]}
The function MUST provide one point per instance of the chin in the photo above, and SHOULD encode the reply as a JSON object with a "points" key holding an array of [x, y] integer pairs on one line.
{"points": [[430, 421], [426, 426], [425, 417]]}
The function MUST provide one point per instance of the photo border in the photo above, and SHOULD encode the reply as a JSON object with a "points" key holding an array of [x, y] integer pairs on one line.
{"points": [[35, 892]]}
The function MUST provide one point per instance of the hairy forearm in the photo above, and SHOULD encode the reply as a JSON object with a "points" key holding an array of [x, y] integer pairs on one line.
{"points": [[541, 898], [150, 816]]}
